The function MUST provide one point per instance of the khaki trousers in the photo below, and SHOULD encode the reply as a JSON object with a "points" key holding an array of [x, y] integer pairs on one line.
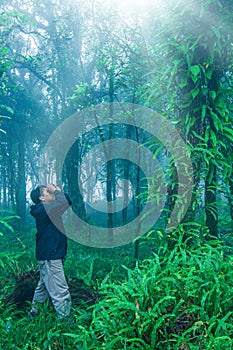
{"points": [[53, 284]]}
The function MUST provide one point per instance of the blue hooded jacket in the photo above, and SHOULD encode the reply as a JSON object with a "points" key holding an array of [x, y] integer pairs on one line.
{"points": [[51, 241]]}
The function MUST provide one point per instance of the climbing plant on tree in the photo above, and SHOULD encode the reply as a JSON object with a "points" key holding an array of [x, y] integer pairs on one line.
{"points": [[195, 51]]}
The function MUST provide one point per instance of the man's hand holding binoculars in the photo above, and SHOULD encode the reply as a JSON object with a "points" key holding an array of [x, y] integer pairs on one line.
{"points": [[52, 188]]}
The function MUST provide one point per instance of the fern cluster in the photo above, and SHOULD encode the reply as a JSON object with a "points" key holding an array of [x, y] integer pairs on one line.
{"points": [[180, 299]]}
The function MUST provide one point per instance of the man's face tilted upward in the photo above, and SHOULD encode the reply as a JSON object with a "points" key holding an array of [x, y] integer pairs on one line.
{"points": [[47, 196]]}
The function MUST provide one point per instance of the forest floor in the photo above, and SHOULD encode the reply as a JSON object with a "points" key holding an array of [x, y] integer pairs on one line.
{"points": [[172, 297]]}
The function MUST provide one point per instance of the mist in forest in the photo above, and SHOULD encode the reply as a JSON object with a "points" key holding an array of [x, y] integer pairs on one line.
{"points": [[127, 107]]}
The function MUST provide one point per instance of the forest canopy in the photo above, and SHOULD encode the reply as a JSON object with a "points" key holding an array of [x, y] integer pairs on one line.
{"points": [[60, 57]]}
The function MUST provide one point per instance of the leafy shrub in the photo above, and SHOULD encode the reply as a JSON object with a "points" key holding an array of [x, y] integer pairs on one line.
{"points": [[181, 299]]}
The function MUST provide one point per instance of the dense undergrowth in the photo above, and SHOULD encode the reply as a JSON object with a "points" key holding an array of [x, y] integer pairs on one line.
{"points": [[170, 298]]}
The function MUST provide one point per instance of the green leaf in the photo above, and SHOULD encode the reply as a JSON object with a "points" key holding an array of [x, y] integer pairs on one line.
{"points": [[216, 32], [183, 84], [195, 92], [198, 136], [209, 73], [9, 217], [203, 112], [4, 51], [195, 70], [212, 94], [187, 102], [229, 130], [217, 122], [228, 133], [7, 108], [213, 137], [204, 90], [9, 227], [207, 133], [5, 117]]}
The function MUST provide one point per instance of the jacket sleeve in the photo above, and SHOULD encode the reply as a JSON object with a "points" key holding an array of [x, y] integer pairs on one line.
{"points": [[68, 199], [60, 205]]}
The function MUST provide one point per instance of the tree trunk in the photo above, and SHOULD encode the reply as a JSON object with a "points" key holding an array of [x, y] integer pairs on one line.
{"points": [[21, 183], [71, 174], [4, 188], [110, 178], [126, 171]]}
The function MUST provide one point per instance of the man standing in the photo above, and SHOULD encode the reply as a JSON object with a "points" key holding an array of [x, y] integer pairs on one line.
{"points": [[51, 247]]}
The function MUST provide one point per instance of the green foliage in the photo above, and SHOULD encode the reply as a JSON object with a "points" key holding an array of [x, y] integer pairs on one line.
{"points": [[4, 222], [194, 89], [5, 227], [44, 332], [183, 296], [5, 63]]}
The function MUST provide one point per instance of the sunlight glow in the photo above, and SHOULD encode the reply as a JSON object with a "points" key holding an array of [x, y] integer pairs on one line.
{"points": [[133, 3], [135, 10], [138, 5]]}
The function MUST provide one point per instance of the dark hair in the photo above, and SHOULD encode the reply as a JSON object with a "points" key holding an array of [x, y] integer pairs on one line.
{"points": [[36, 193]]}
